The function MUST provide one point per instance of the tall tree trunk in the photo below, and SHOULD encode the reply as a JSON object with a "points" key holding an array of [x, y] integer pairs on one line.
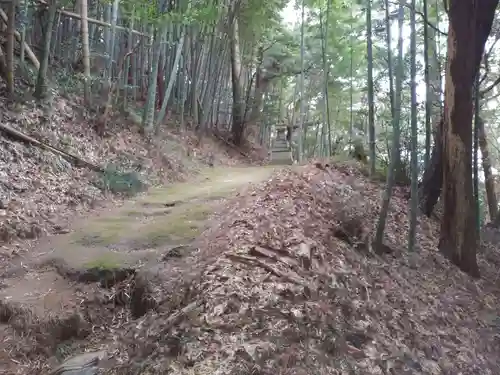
{"points": [[24, 16], [475, 152], [149, 108], [428, 103], [112, 42], [488, 175], [431, 185], [371, 107], [11, 29], [351, 88], [85, 51], [171, 82], [436, 67], [160, 81], [326, 75], [300, 143], [41, 82], [469, 26], [238, 126], [388, 39], [396, 134], [414, 133], [127, 74], [261, 86]]}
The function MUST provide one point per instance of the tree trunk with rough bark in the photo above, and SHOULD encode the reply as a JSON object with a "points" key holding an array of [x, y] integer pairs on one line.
{"points": [[431, 184], [469, 26]]}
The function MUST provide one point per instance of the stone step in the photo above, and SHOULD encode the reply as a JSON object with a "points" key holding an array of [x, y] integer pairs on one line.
{"points": [[281, 161]]}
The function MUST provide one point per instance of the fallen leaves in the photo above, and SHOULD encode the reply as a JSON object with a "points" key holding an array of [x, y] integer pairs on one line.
{"points": [[41, 191], [275, 279]]}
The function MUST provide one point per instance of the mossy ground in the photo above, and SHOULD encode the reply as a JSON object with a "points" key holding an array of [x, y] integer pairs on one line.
{"points": [[142, 228]]}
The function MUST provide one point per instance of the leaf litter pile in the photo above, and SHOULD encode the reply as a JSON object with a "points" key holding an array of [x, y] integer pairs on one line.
{"points": [[287, 283]]}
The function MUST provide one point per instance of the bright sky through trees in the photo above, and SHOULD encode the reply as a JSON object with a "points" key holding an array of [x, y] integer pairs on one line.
{"points": [[291, 17]]}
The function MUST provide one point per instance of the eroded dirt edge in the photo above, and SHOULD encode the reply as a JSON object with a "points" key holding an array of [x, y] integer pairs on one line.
{"points": [[74, 287]]}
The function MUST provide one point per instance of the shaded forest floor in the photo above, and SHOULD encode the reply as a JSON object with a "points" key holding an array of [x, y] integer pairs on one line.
{"points": [[41, 192], [45, 288], [235, 269], [253, 270]]}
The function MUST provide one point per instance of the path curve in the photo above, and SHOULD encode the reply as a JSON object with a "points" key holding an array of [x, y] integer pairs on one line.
{"points": [[48, 281]]}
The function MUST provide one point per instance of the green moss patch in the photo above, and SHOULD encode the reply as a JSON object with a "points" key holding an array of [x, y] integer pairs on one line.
{"points": [[105, 261], [103, 231], [183, 224], [139, 229]]}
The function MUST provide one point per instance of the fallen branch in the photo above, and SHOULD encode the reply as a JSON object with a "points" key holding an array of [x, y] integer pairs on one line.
{"points": [[288, 276], [73, 159], [258, 251]]}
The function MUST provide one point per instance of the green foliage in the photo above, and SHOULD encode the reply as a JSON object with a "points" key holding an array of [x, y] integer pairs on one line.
{"points": [[156, 12], [116, 182], [259, 18]]}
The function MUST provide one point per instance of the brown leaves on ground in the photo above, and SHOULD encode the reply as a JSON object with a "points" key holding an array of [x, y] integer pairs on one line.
{"points": [[39, 190], [279, 291]]}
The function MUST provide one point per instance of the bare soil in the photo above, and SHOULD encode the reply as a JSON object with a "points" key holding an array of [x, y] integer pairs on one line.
{"points": [[282, 278], [59, 297]]}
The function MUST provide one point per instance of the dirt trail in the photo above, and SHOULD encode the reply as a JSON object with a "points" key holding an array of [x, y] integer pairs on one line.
{"points": [[108, 247]]}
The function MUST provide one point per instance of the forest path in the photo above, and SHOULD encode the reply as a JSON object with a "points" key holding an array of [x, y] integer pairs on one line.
{"points": [[144, 231], [146, 226]]}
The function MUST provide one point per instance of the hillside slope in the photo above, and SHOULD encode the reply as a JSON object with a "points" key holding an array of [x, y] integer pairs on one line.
{"points": [[40, 190], [281, 281], [285, 285]]}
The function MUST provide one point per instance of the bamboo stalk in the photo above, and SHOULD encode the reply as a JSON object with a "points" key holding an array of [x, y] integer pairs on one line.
{"points": [[93, 20], [26, 47]]}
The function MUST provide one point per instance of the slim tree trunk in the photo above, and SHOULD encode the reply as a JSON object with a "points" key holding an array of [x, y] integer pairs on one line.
{"points": [[396, 133], [41, 82], [475, 151], [23, 28], [128, 62], [371, 107], [149, 107], [85, 51], [414, 133], [111, 46], [428, 103], [326, 75], [238, 126], [300, 143], [488, 175], [11, 29], [173, 76]]}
